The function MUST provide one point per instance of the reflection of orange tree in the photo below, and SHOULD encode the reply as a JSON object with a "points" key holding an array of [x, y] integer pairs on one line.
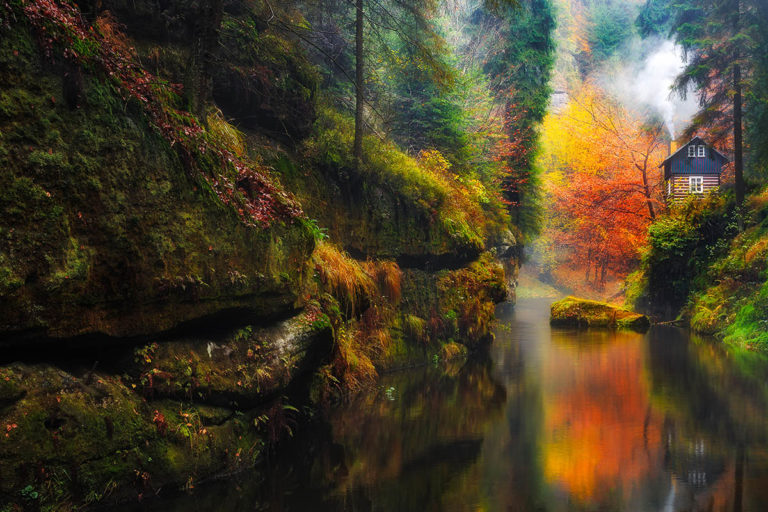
{"points": [[598, 439]]}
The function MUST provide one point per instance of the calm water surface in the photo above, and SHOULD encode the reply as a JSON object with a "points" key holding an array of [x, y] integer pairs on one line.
{"points": [[550, 420]]}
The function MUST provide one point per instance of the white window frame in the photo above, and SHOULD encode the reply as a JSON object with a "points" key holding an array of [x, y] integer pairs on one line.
{"points": [[692, 151], [696, 184], [702, 151]]}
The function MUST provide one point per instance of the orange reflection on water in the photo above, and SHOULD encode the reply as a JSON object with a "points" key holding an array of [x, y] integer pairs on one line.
{"points": [[599, 435]]}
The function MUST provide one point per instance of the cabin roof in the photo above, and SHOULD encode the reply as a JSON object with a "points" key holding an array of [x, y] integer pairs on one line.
{"points": [[698, 140]]}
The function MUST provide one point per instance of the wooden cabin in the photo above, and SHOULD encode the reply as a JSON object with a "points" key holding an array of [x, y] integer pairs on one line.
{"points": [[695, 169]]}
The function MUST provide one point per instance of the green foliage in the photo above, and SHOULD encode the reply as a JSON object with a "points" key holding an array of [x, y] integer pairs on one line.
{"points": [[756, 116], [452, 214], [265, 80], [655, 18], [611, 27], [681, 246], [734, 304], [521, 69], [750, 324]]}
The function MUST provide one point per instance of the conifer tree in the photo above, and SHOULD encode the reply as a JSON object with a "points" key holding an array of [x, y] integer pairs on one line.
{"points": [[718, 37]]}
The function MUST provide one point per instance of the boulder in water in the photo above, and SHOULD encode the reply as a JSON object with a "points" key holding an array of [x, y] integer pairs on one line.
{"points": [[575, 312]]}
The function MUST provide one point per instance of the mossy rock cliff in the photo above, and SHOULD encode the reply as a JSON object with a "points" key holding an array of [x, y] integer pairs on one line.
{"points": [[177, 412], [102, 227]]}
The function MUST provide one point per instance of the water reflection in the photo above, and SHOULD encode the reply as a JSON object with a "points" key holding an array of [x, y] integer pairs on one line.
{"points": [[548, 421]]}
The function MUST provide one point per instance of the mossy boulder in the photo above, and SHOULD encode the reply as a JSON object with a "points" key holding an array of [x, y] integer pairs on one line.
{"points": [[78, 437], [239, 370], [104, 229], [575, 312]]}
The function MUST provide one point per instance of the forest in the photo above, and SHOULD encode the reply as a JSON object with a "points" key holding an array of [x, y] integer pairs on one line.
{"points": [[226, 226]]}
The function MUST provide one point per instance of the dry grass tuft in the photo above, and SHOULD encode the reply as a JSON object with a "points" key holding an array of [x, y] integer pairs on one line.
{"points": [[352, 365], [756, 251], [225, 134], [344, 278], [388, 278]]}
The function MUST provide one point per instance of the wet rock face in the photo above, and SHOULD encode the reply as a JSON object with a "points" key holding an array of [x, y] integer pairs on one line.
{"points": [[104, 230], [241, 370], [183, 410], [506, 250], [575, 312]]}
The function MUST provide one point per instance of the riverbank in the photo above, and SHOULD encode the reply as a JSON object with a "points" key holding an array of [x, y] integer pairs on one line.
{"points": [[700, 269], [520, 425], [179, 286]]}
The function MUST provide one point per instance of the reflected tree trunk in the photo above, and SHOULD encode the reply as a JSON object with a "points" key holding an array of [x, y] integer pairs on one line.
{"points": [[738, 491]]}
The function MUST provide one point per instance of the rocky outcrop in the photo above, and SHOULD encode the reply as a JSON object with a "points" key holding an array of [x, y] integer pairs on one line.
{"points": [[575, 312], [183, 411], [104, 230], [240, 370], [507, 253]]}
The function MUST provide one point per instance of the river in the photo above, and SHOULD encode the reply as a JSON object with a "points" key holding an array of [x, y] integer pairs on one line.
{"points": [[548, 420]]}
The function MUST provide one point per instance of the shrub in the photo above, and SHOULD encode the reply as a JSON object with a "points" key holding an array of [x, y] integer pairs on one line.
{"points": [[680, 248]]}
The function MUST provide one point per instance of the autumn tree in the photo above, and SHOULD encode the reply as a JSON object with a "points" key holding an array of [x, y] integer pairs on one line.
{"points": [[603, 183]]}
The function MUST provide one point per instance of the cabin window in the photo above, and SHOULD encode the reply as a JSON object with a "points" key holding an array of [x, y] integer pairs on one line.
{"points": [[691, 151], [696, 184], [702, 151]]}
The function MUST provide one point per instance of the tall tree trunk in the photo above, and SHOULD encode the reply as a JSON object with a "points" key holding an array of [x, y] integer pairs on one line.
{"points": [[738, 157], [359, 90], [202, 65], [647, 188]]}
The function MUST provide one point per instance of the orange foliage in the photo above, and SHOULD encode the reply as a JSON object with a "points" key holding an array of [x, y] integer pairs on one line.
{"points": [[599, 429], [603, 183]]}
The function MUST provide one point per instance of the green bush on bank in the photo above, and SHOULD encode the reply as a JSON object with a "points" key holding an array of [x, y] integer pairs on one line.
{"points": [[680, 248], [698, 265], [734, 305]]}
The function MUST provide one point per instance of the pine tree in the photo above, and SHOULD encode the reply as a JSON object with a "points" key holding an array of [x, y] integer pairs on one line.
{"points": [[718, 37]]}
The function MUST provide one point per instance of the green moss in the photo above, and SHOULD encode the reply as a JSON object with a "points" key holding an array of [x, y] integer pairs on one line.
{"points": [[575, 312], [97, 212], [391, 207], [736, 306]]}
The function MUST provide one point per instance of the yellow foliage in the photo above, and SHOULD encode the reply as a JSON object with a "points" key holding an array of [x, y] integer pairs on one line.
{"points": [[388, 278], [226, 134], [451, 351], [353, 366], [756, 250]]}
